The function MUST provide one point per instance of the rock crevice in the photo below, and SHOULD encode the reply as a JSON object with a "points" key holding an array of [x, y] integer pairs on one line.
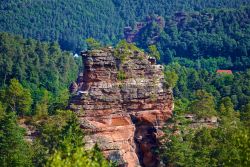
{"points": [[122, 106]]}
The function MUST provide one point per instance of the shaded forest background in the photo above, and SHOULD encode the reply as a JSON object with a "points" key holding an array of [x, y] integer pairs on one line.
{"points": [[70, 22]]}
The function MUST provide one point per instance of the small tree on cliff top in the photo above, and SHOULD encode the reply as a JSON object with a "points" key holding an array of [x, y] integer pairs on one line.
{"points": [[124, 49], [92, 44], [153, 51]]}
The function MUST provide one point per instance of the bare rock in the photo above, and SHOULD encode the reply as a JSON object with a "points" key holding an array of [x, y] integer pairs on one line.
{"points": [[123, 115]]}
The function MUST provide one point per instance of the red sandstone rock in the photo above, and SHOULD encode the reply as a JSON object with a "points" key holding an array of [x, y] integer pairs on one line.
{"points": [[124, 117]]}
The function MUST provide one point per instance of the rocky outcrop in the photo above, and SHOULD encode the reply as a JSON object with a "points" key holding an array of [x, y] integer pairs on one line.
{"points": [[122, 105], [208, 122], [131, 34], [31, 131]]}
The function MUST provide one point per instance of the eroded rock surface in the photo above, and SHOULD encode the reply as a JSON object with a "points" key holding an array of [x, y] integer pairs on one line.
{"points": [[122, 106]]}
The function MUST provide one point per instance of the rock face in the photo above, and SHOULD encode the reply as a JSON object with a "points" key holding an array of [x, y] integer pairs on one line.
{"points": [[209, 122], [131, 33], [122, 106]]}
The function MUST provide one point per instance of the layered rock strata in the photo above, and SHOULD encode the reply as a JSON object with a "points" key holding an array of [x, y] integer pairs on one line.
{"points": [[122, 105]]}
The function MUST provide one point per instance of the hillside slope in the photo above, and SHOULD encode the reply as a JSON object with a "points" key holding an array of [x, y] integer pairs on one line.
{"points": [[70, 22], [214, 33]]}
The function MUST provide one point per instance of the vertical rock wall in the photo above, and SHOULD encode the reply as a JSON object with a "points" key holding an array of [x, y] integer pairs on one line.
{"points": [[122, 106]]}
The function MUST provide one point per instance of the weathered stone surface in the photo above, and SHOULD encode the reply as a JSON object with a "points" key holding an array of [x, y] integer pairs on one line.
{"points": [[125, 116], [30, 131], [210, 122]]}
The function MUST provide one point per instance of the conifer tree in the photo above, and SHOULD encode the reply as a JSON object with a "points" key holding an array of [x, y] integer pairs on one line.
{"points": [[14, 150], [18, 98]]}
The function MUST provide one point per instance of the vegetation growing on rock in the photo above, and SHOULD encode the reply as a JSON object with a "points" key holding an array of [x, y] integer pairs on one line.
{"points": [[124, 49]]}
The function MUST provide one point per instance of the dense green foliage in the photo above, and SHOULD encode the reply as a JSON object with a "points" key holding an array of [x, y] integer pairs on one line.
{"points": [[61, 143], [212, 33], [203, 105], [35, 64], [59, 139], [69, 22], [92, 44], [19, 99], [14, 150], [42, 68], [226, 145], [205, 93], [81, 157], [124, 49], [171, 78], [235, 86], [37, 100]]}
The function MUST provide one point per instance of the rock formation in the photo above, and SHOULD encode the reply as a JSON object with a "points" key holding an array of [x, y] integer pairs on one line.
{"points": [[122, 105], [131, 34]]}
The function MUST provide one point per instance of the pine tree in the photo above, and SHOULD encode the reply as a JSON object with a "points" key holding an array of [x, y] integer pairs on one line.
{"points": [[203, 105], [18, 98], [154, 52], [14, 151]]}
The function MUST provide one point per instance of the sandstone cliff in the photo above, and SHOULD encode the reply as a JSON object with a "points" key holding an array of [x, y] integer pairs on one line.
{"points": [[122, 105]]}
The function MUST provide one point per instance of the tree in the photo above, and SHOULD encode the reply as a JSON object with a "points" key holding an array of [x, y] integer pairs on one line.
{"points": [[18, 98], [78, 158], [153, 51], [42, 106], [204, 146], [181, 105], [69, 150], [124, 49], [51, 129], [2, 111], [171, 78], [92, 44], [13, 148], [60, 132], [193, 79], [226, 108], [203, 105], [71, 135], [245, 115], [233, 144], [59, 101], [176, 148], [37, 64]]}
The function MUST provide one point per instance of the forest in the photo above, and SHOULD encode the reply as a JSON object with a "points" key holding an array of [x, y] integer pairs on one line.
{"points": [[37, 65], [70, 22], [207, 94], [221, 34]]}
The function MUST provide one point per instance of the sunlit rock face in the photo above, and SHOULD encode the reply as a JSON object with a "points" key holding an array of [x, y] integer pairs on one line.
{"points": [[122, 106]]}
